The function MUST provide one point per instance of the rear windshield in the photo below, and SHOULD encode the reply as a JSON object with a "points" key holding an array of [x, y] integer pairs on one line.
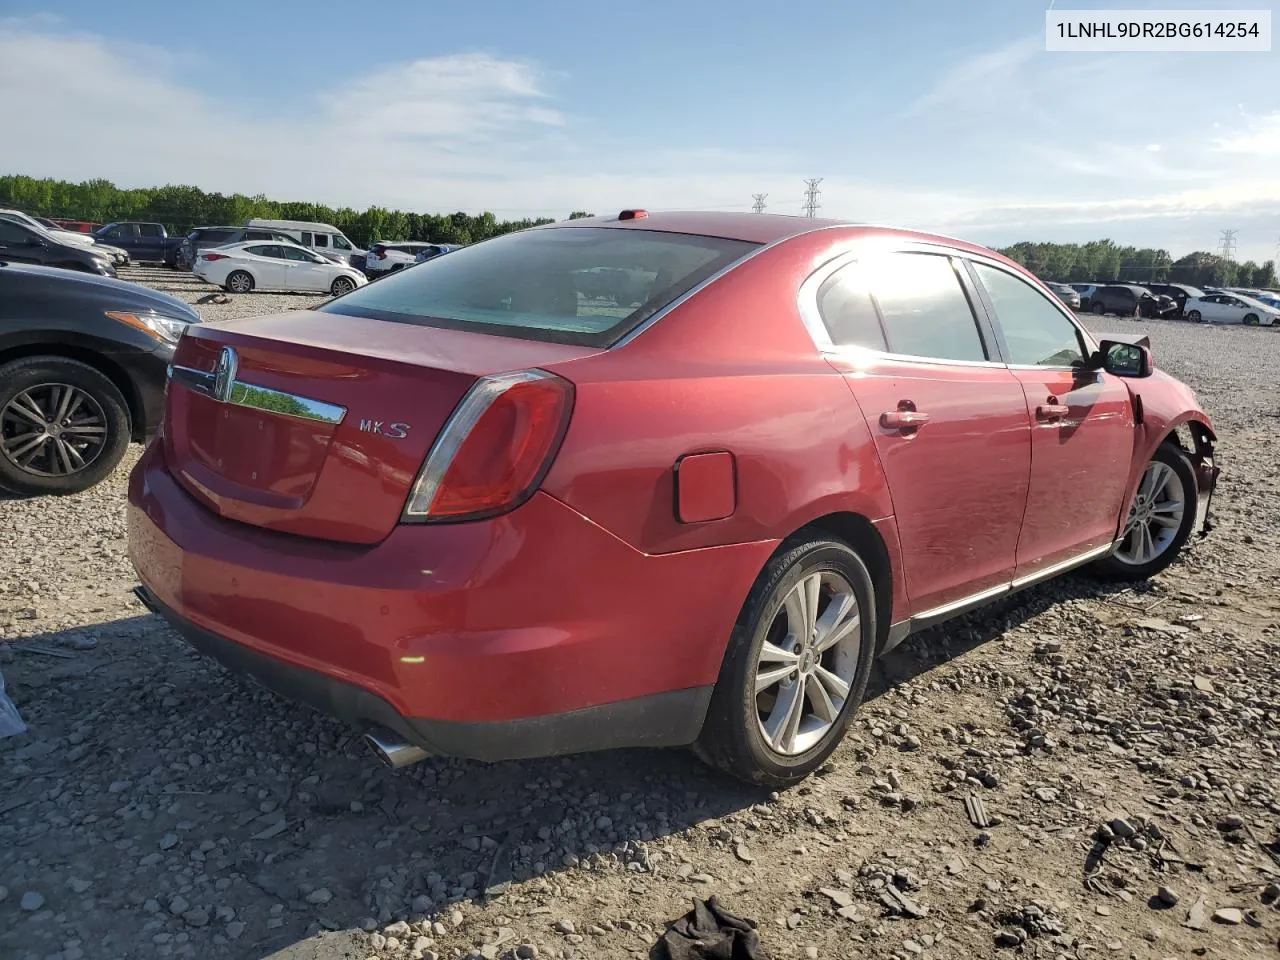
{"points": [[579, 285]]}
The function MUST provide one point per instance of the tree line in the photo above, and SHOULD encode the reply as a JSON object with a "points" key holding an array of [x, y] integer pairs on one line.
{"points": [[180, 208], [1105, 260]]}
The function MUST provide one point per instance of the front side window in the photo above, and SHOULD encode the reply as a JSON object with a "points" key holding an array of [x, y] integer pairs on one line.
{"points": [[578, 285], [13, 235], [114, 233], [297, 253], [340, 242], [925, 309], [1035, 331], [846, 308]]}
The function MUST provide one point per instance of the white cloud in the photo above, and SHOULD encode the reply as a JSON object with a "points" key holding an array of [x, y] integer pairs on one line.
{"points": [[1006, 144]]}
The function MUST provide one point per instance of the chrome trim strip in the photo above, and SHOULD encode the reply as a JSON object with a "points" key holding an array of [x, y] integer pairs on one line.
{"points": [[261, 398], [1063, 566], [929, 618], [955, 607]]}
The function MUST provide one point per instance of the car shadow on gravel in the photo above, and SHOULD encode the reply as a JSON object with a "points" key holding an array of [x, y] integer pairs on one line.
{"points": [[224, 799]]}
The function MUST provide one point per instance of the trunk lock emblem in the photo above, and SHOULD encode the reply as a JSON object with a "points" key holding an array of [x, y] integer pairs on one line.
{"points": [[224, 377]]}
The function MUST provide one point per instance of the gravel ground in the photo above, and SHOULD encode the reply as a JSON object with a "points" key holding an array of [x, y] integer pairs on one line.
{"points": [[1118, 748]]}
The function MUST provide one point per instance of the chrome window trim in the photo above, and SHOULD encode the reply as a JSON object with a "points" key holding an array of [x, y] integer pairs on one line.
{"points": [[1053, 302], [255, 397], [811, 316]]}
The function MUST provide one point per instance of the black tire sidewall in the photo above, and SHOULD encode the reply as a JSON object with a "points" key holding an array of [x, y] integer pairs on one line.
{"points": [[731, 738], [1098, 309], [28, 372], [1117, 569]]}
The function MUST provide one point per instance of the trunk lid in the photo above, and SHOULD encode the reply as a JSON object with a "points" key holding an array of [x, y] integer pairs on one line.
{"points": [[329, 418]]}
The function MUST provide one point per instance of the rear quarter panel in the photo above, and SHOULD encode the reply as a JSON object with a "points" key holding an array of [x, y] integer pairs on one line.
{"points": [[730, 369]]}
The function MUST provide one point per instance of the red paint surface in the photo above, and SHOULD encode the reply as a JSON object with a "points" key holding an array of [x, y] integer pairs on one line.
{"points": [[283, 535]]}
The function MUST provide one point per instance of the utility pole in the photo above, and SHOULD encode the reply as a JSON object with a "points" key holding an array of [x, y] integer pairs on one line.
{"points": [[757, 202], [811, 196]]}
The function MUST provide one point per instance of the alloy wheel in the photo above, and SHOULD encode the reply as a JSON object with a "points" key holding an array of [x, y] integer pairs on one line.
{"points": [[807, 663], [52, 430], [1154, 517]]}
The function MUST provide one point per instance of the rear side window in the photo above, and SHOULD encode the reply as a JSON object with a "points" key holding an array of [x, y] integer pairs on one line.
{"points": [[321, 239], [925, 309], [266, 250], [148, 229], [1035, 331], [580, 285], [844, 303]]}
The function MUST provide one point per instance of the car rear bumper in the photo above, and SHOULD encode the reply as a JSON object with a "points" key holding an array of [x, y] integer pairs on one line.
{"points": [[531, 634]]}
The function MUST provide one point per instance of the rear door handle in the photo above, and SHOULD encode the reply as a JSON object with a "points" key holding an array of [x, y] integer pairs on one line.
{"points": [[904, 418], [1052, 410]]}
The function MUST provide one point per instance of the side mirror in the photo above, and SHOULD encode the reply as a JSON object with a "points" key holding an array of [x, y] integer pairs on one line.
{"points": [[1123, 359]]}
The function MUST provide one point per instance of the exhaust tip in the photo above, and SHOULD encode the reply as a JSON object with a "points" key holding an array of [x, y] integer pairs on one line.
{"points": [[393, 751]]}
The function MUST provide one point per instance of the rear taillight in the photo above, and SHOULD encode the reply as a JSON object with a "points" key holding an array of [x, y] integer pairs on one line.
{"points": [[213, 256], [495, 449]]}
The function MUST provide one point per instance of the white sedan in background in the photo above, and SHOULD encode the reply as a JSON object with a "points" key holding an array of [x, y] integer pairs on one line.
{"points": [[245, 267], [1230, 308]]}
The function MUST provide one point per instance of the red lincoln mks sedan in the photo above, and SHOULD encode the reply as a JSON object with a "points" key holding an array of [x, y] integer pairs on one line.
{"points": [[647, 480]]}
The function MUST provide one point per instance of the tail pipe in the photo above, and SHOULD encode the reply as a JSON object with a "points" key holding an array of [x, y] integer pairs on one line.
{"points": [[393, 751]]}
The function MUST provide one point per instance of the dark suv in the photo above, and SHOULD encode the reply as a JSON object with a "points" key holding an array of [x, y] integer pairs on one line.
{"points": [[1130, 300], [201, 238], [1179, 292]]}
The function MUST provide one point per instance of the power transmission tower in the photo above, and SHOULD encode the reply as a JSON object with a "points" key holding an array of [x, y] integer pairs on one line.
{"points": [[811, 196], [1228, 245], [757, 202]]}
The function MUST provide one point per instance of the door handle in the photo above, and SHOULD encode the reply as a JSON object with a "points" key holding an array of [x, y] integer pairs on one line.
{"points": [[905, 418], [1053, 410]]}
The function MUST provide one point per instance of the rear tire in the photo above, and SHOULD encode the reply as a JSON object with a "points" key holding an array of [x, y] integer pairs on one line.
{"points": [[1171, 498], [826, 683], [94, 427], [238, 281], [1098, 309]]}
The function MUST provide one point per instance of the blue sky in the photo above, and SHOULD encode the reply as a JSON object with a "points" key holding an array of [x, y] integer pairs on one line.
{"points": [[933, 114]]}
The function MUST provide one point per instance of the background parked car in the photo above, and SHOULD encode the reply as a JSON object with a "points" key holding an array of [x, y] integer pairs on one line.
{"points": [[326, 240], [244, 267], [78, 226], [204, 238], [1231, 308], [82, 372], [1130, 300], [1066, 293], [1086, 294], [387, 256], [145, 241], [1179, 292], [118, 256], [20, 243]]}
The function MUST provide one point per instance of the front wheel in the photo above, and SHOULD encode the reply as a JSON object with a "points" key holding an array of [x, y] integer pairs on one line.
{"points": [[342, 285], [63, 426], [796, 666], [1159, 521], [1251, 320], [1099, 309]]}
